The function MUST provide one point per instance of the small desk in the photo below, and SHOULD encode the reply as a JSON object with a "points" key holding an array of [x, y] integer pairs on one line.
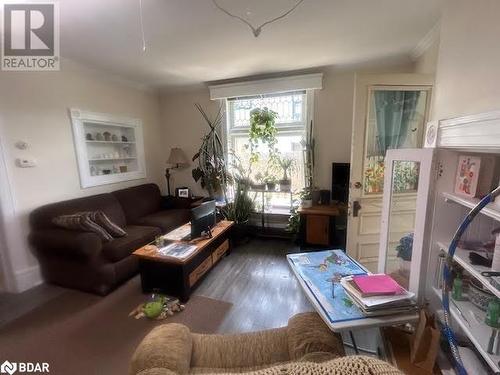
{"points": [[319, 225], [315, 297]]}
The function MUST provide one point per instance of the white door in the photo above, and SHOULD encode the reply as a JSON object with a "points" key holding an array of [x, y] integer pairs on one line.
{"points": [[390, 112], [404, 239]]}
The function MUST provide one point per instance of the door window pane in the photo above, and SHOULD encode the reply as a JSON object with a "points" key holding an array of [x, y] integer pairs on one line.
{"points": [[396, 119]]}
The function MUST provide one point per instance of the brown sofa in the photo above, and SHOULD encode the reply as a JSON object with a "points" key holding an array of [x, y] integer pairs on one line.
{"points": [[81, 260], [305, 346]]}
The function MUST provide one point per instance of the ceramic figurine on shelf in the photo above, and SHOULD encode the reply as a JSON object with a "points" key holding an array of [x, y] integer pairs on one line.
{"points": [[114, 138], [99, 137], [89, 137], [107, 136]]}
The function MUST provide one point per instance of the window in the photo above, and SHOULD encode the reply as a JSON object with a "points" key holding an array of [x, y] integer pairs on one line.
{"points": [[291, 124]]}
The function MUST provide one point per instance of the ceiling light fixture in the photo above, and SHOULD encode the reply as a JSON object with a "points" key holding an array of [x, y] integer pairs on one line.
{"points": [[256, 30], [141, 21]]}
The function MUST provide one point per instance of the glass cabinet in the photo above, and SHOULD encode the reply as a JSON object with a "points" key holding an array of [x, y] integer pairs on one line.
{"points": [[406, 202]]}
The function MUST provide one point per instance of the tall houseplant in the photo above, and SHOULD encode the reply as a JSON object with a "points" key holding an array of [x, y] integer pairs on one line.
{"points": [[211, 170]]}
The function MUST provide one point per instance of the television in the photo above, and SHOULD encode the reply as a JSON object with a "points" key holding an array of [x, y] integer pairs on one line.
{"points": [[203, 218]]}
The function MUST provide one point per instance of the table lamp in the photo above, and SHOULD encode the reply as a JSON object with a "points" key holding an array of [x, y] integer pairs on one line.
{"points": [[175, 160]]}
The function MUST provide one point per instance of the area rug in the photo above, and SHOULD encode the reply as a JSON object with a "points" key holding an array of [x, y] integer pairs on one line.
{"points": [[79, 333]]}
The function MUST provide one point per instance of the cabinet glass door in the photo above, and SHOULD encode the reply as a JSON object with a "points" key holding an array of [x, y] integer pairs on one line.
{"points": [[403, 238]]}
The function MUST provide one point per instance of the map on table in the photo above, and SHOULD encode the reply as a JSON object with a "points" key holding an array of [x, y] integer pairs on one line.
{"points": [[322, 271]]}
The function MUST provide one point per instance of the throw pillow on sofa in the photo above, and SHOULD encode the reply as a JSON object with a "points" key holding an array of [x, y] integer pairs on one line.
{"points": [[81, 222], [101, 219]]}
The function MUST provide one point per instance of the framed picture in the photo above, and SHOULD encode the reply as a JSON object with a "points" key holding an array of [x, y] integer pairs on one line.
{"points": [[467, 175], [182, 192]]}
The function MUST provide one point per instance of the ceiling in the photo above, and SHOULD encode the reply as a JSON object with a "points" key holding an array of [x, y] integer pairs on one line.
{"points": [[191, 41]]}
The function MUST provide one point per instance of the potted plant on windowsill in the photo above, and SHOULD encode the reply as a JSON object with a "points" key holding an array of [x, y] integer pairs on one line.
{"points": [[270, 182], [259, 183], [306, 197], [286, 163]]}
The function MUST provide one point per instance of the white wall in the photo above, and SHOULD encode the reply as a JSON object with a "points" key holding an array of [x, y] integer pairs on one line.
{"points": [[333, 108], [426, 63], [468, 70], [184, 127], [34, 108]]}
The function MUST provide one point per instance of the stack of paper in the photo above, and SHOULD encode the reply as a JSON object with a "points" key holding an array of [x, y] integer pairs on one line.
{"points": [[378, 296]]}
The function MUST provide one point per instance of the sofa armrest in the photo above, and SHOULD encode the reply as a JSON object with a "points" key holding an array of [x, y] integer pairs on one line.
{"points": [[166, 349], [66, 242], [307, 333]]}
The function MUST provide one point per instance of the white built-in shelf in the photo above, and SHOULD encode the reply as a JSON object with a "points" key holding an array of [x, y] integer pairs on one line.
{"points": [[111, 142], [97, 135], [112, 159], [471, 321], [462, 257], [491, 210]]}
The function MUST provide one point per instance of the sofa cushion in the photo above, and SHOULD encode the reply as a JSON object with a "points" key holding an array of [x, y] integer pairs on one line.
{"points": [[82, 222], [102, 220], [166, 220], [107, 203], [139, 201], [137, 236]]}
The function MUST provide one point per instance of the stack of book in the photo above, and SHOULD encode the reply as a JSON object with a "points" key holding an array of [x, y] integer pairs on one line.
{"points": [[378, 294]]}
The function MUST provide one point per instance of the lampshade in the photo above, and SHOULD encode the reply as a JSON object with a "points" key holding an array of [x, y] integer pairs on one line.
{"points": [[177, 157]]}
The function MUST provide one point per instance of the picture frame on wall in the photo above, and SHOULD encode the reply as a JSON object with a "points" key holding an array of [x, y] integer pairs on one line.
{"points": [[183, 192]]}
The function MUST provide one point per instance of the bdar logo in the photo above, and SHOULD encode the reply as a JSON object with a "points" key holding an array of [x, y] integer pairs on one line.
{"points": [[8, 368]]}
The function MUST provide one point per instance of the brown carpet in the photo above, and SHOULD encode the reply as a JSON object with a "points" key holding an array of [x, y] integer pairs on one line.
{"points": [[79, 333]]}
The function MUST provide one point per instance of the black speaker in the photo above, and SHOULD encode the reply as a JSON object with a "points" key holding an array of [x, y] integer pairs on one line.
{"points": [[324, 197], [340, 181]]}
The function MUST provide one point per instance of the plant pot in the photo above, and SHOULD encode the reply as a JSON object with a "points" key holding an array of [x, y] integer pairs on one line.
{"points": [[404, 267], [258, 186], [240, 233], [307, 203], [271, 186], [285, 185], [316, 196]]}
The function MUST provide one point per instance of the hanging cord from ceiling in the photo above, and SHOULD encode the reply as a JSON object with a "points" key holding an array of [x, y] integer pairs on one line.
{"points": [[142, 26], [257, 30]]}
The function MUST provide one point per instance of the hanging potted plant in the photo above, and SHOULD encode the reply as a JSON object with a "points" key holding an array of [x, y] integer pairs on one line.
{"points": [[262, 130], [211, 170]]}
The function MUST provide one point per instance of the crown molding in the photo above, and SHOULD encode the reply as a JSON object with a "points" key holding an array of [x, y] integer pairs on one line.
{"points": [[428, 40]]}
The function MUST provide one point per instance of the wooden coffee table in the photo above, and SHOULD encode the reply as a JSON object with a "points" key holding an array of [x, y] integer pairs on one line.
{"points": [[178, 277]]}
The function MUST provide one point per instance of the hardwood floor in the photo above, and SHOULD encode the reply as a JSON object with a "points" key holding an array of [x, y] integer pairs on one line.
{"points": [[256, 279]]}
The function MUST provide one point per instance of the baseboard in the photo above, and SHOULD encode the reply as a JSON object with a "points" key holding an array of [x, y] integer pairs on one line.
{"points": [[27, 278]]}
